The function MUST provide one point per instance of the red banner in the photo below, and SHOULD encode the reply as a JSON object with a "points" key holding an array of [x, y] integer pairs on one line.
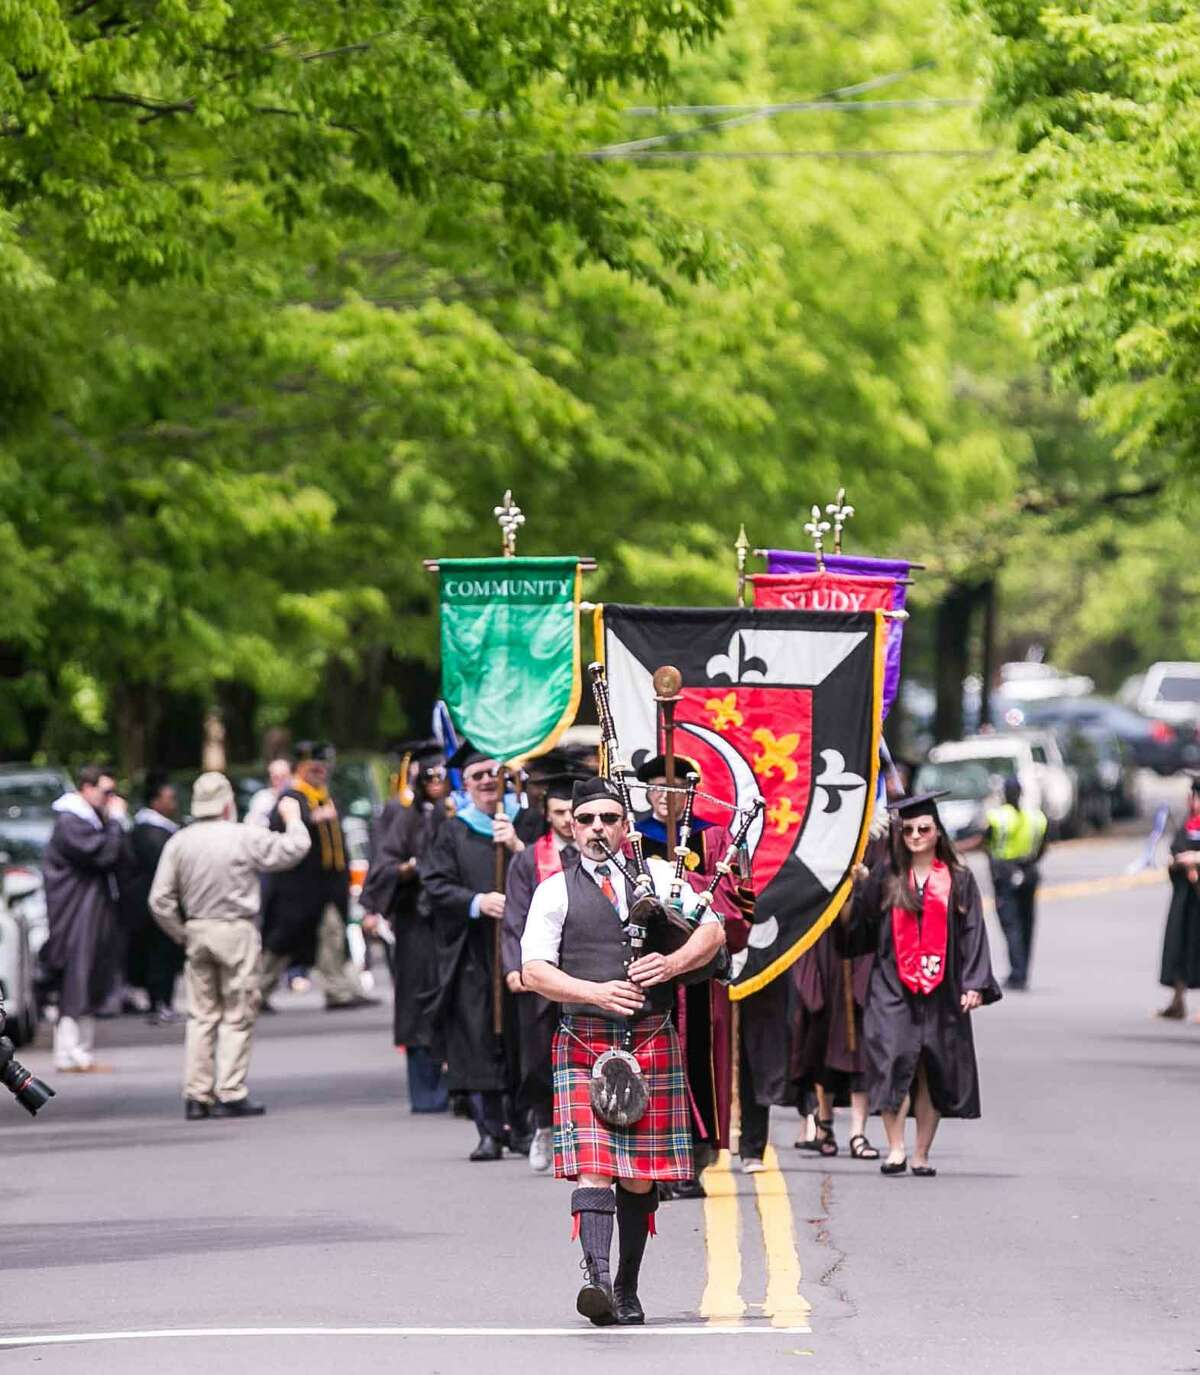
{"points": [[822, 592]]}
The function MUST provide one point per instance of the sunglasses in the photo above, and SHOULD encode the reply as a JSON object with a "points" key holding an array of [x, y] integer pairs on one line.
{"points": [[478, 775], [435, 772], [604, 818], [918, 828]]}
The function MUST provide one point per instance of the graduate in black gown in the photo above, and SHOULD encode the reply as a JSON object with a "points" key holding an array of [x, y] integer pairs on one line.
{"points": [[1181, 940], [459, 877], [921, 913], [393, 890]]}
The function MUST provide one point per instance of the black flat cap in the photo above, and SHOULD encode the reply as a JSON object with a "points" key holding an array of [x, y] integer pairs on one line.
{"points": [[595, 790]]}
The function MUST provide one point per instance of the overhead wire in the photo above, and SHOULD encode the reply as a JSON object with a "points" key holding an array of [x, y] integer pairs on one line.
{"points": [[759, 112]]}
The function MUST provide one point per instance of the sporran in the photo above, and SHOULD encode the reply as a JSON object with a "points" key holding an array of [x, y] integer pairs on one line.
{"points": [[617, 1088]]}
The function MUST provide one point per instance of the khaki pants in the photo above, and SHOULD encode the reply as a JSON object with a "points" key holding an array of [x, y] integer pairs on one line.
{"points": [[338, 978], [221, 976]]}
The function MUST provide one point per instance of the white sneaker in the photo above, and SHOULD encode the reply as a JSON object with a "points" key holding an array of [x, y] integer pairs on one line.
{"points": [[541, 1153], [752, 1164]]}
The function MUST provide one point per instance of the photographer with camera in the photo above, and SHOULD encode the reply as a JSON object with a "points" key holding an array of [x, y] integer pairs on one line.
{"points": [[205, 896], [81, 953], [29, 1091]]}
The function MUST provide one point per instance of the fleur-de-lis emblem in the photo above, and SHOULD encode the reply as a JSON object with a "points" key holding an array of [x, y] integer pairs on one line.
{"points": [[776, 754], [841, 513], [725, 712], [783, 815]]}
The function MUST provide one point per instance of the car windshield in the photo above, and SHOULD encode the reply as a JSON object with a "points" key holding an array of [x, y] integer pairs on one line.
{"points": [[23, 849], [29, 794], [964, 779], [1179, 689]]}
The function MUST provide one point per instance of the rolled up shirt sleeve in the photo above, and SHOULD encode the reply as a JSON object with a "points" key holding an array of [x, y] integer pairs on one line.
{"points": [[543, 927]]}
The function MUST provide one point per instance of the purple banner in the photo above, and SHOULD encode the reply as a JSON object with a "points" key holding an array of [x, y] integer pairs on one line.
{"points": [[859, 566]]}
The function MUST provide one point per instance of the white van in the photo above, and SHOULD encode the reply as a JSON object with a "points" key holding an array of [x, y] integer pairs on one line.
{"points": [[1033, 757]]}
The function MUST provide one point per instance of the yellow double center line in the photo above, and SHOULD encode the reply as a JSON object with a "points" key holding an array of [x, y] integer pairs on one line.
{"points": [[722, 1303]]}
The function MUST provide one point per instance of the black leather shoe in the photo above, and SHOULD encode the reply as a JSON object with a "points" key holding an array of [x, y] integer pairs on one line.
{"points": [[195, 1111], [630, 1312], [488, 1149], [359, 1000], [595, 1300], [241, 1107]]}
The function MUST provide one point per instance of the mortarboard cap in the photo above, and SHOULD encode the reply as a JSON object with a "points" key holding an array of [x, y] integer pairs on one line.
{"points": [[316, 752], [562, 785], [657, 768], [920, 804], [466, 755]]}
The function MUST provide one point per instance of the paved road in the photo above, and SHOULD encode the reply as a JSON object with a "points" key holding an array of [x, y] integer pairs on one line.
{"points": [[1057, 1238]]}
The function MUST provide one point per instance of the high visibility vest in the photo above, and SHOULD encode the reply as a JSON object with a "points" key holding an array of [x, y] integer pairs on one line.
{"points": [[1016, 833]]}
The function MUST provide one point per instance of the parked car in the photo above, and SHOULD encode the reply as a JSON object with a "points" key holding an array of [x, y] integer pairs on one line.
{"points": [[1093, 776], [971, 791], [1156, 744], [17, 963], [28, 791], [1035, 758], [1169, 691], [1030, 681]]}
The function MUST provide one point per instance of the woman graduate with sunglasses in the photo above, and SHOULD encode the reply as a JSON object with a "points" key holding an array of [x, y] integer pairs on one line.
{"points": [[920, 912]]}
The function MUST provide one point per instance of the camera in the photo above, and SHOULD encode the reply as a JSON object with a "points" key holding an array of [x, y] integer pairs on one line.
{"points": [[29, 1091]]}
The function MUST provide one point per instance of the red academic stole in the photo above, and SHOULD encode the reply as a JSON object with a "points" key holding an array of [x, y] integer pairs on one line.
{"points": [[920, 938], [545, 857]]}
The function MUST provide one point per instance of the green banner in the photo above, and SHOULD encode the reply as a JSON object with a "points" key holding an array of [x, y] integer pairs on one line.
{"points": [[510, 652]]}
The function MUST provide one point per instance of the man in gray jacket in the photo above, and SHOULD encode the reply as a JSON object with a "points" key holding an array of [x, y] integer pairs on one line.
{"points": [[205, 895]]}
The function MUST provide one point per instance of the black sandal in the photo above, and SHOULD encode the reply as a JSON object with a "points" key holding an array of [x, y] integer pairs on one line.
{"points": [[826, 1141], [924, 1172], [900, 1167], [861, 1148]]}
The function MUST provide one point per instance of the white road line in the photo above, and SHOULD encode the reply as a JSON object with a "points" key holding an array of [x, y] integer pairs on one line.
{"points": [[185, 1333]]}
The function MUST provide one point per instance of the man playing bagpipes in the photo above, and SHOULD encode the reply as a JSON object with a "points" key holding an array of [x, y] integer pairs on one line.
{"points": [[608, 941]]}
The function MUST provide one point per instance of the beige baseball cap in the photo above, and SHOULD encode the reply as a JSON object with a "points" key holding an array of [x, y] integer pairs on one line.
{"points": [[211, 794]]}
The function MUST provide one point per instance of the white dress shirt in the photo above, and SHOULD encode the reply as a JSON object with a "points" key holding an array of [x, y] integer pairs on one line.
{"points": [[548, 909]]}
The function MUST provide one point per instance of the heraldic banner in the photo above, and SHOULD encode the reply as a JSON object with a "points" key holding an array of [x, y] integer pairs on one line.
{"points": [[779, 703], [794, 579], [510, 651]]}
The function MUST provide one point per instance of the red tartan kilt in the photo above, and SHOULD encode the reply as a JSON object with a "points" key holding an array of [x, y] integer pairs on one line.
{"points": [[659, 1145]]}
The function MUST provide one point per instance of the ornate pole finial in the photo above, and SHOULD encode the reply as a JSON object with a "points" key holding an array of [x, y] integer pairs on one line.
{"points": [[510, 520], [841, 513], [742, 548], [817, 529]]}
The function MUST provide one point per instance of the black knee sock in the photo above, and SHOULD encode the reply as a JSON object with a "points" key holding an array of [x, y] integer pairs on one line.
{"points": [[594, 1209], [635, 1218]]}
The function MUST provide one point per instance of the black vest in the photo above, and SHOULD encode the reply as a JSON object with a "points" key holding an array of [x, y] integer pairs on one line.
{"points": [[593, 943]]}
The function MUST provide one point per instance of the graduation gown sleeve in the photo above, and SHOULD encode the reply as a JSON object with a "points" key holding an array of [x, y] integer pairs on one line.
{"points": [[522, 880]]}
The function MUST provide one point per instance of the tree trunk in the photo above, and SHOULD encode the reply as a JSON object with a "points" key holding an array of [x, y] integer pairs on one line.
{"points": [[952, 634], [987, 672], [136, 709]]}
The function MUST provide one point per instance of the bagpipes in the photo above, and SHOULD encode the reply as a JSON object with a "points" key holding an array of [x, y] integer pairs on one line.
{"points": [[651, 922], [654, 924]]}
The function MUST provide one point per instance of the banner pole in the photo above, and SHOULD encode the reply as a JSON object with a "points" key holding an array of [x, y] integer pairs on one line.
{"points": [[501, 856], [510, 519]]}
